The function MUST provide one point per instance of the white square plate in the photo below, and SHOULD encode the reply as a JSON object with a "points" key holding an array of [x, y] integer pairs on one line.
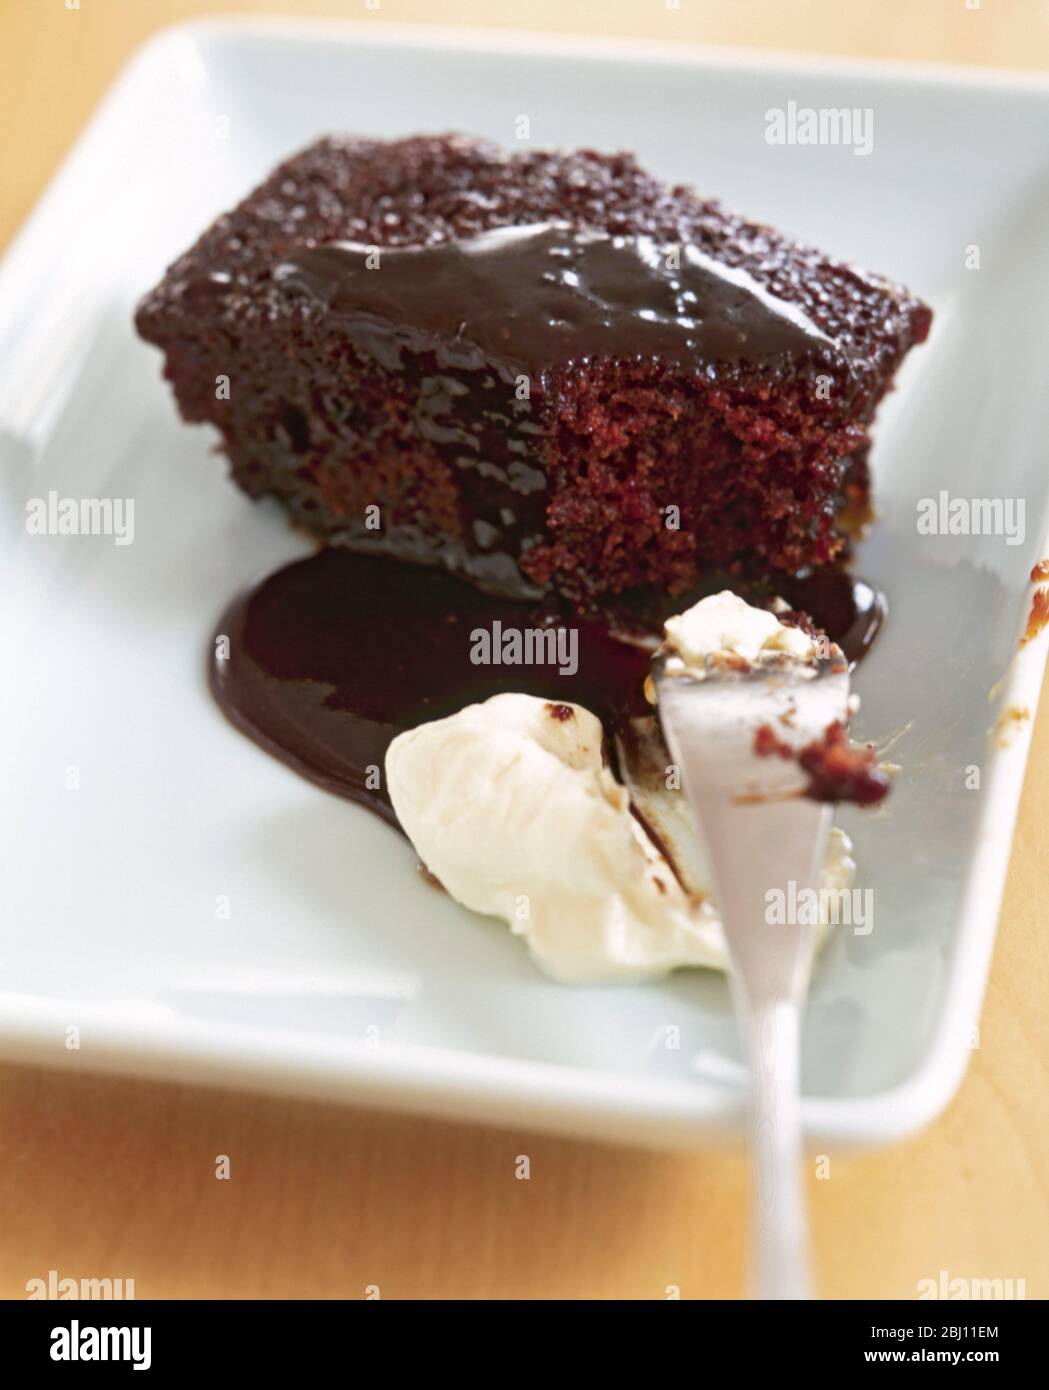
{"points": [[132, 812]]}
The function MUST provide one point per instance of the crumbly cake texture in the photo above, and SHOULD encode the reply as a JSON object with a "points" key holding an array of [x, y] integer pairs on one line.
{"points": [[758, 464], [837, 768]]}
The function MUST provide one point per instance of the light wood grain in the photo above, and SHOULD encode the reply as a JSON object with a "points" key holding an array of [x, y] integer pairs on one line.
{"points": [[106, 1177]]}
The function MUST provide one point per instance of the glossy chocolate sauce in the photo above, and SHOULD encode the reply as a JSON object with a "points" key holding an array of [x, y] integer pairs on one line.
{"points": [[534, 297], [849, 610], [333, 656]]}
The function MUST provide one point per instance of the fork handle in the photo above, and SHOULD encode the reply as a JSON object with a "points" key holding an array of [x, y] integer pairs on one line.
{"points": [[780, 1226]]}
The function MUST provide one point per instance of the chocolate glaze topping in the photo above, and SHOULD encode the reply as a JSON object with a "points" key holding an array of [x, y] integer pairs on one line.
{"points": [[545, 295], [333, 656]]}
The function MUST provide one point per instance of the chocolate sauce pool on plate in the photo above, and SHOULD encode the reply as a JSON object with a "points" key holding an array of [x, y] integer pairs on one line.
{"points": [[331, 657]]}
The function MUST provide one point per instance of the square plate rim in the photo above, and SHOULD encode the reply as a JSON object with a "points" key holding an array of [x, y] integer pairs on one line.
{"points": [[494, 1089]]}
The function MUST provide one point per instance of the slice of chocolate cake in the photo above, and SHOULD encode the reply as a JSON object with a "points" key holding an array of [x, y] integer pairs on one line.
{"points": [[544, 370]]}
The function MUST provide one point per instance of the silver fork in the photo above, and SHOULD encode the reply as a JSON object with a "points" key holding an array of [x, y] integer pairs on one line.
{"points": [[761, 836]]}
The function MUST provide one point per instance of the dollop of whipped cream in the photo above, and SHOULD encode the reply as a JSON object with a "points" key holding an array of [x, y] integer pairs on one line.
{"points": [[726, 625], [510, 806]]}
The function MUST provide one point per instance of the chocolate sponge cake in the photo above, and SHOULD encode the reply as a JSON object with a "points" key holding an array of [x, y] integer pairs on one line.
{"points": [[545, 371]]}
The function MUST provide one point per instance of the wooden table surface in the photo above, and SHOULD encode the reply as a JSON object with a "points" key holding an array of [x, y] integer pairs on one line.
{"points": [[102, 1177]]}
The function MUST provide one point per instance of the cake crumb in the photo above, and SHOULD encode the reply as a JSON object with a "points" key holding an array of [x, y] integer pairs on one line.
{"points": [[1038, 617], [767, 742], [840, 770], [837, 768], [562, 713]]}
